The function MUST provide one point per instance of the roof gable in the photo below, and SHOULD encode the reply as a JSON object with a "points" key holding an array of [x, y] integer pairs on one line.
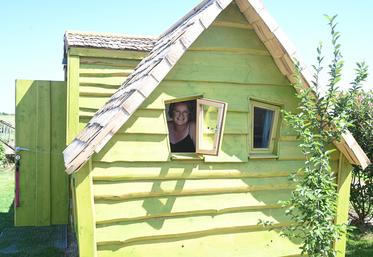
{"points": [[166, 52]]}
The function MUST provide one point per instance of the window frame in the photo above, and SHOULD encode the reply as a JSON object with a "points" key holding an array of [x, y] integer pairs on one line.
{"points": [[271, 149], [198, 154], [222, 113]]}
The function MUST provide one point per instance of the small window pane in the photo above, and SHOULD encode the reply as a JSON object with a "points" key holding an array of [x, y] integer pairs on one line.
{"points": [[210, 120], [263, 120], [209, 127]]}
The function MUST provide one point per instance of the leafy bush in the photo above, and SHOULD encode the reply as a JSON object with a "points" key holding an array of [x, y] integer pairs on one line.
{"points": [[321, 119], [2, 155], [362, 180]]}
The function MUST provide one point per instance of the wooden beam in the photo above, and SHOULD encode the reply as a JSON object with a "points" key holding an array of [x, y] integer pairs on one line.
{"points": [[85, 211], [92, 52], [344, 182]]}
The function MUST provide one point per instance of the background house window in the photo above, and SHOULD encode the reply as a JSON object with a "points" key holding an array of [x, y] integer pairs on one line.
{"points": [[264, 122]]}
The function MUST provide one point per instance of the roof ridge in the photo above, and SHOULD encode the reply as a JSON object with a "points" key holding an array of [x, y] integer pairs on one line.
{"points": [[182, 19], [110, 34], [108, 41]]}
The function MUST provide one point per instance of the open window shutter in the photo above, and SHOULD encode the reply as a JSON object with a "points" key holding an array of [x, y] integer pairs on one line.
{"points": [[210, 123]]}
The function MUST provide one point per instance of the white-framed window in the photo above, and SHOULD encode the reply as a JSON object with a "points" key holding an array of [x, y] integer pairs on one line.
{"points": [[264, 119], [210, 123], [195, 125]]}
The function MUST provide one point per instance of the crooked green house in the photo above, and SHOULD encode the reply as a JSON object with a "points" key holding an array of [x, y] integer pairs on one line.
{"points": [[127, 192]]}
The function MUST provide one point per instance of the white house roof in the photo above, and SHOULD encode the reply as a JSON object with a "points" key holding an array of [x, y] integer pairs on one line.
{"points": [[165, 53]]}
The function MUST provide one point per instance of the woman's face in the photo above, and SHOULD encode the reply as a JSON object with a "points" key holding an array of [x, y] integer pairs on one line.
{"points": [[180, 114]]}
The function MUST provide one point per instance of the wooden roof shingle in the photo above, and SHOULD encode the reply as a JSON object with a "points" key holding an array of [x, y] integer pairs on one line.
{"points": [[108, 41], [167, 50]]}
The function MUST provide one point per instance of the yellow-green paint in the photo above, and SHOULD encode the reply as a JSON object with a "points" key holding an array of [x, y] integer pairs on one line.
{"points": [[134, 197], [98, 73], [344, 183], [85, 211], [59, 180], [106, 53], [40, 123], [72, 118], [250, 243]]}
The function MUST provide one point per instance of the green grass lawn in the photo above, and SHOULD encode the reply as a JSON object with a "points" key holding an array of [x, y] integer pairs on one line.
{"points": [[27, 243], [7, 188], [6, 197], [360, 244]]}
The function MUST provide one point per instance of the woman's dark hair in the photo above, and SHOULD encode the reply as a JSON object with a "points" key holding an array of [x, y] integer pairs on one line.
{"points": [[191, 105]]}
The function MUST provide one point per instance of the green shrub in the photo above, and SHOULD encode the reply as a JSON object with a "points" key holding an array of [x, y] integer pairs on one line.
{"points": [[362, 180], [2, 155], [321, 119]]}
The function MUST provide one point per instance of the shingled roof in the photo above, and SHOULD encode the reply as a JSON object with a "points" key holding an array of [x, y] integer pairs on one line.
{"points": [[108, 41], [167, 50]]}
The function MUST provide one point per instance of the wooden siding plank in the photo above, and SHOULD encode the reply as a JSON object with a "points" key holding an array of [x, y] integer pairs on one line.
{"points": [[229, 24], [291, 150], [126, 232], [91, 52], [102, 80], [127, 147], [232, 14], [153, 147], [94, 71], [43, 162], [186, 170], [99, 90], [92, 102], [229, 38], [168, 206], [103, 63], [128, 190], [238, 67], [156, 213], [236, 123], [72, 123], [183, 170], [236, 95], [146, 122], [26, 93], [249, 244], [233, 149], [59, 178]]}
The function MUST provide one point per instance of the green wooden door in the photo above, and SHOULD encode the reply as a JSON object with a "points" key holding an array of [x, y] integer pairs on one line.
{"points": [[41, 133]]}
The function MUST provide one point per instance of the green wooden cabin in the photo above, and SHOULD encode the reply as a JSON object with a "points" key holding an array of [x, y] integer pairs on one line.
{"points": [[131, 195]]}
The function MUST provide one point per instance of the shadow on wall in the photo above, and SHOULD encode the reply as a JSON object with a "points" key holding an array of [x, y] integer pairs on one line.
{"points": [[161, 206]]}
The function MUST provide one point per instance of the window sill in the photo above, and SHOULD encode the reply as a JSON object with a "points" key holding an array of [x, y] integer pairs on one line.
{"points": [[263, 156], [187, 157]]}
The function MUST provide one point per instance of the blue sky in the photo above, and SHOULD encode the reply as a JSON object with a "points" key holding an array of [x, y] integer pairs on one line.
{"points": [[32, 31]]}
